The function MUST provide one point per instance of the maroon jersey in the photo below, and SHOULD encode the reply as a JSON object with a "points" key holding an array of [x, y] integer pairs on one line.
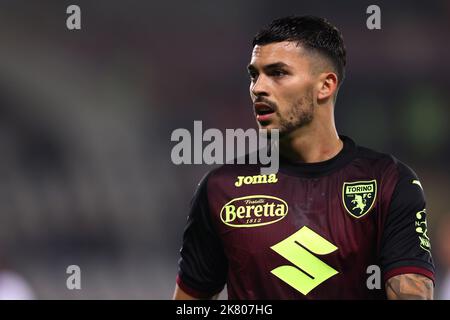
{"points": [[311, 231]]}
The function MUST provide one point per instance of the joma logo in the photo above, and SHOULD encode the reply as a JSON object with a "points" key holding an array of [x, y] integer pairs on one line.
{"points": [[259, 179]]}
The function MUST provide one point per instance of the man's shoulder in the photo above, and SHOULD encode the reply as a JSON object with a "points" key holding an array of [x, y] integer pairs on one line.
{"points": [[386, 162], [371, 154]]}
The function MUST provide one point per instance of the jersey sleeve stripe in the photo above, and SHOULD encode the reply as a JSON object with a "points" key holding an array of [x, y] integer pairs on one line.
{"points": [[404, 270]]}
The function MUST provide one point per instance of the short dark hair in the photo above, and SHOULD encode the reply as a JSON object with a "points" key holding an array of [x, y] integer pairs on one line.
{"points": [[313, 33]]}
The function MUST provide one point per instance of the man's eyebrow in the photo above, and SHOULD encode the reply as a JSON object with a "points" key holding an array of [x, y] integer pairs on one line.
{"points": [[276, 65], [251, 67]]}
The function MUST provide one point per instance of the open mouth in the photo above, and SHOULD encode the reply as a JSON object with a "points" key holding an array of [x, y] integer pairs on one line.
{"points": [[263, 112], [263, 109]]}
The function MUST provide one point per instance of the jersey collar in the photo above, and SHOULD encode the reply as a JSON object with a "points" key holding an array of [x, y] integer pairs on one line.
{"points": [[317, 169]]}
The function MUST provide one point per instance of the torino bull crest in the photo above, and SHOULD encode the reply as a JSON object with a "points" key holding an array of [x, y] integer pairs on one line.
{"points": [[359, 197]]}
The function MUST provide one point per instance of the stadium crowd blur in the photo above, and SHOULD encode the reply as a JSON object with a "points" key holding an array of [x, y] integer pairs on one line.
{"points": [[86, 118]]}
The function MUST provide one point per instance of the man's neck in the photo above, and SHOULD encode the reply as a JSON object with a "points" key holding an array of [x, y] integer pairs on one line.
{"points": [[311, 144]]}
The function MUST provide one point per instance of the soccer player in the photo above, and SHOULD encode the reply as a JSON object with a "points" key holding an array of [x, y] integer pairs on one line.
{"points": [[335, 212]]}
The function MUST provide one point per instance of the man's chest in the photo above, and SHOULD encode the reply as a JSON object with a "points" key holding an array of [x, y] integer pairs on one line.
{"points": [[253, 214]]}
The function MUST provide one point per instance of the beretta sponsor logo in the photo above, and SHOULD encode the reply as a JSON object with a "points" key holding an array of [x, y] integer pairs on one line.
{"points": [[253, 211]]}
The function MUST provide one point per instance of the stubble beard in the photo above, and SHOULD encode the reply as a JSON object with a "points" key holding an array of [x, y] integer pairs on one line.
{"points": [[300, 115]]}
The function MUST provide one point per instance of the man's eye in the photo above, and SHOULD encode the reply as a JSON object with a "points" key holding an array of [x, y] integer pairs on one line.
{"points": [[278, 73], [253, 76]]}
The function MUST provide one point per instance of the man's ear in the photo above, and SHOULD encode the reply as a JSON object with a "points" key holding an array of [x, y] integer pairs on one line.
{"points": [[328, 85]]}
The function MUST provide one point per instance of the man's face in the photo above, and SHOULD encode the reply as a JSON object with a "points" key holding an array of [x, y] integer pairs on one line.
{"points": [[281, 86]]}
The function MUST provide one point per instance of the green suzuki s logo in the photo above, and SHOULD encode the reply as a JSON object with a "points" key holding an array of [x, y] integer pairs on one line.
{"points": [[309, 271]]}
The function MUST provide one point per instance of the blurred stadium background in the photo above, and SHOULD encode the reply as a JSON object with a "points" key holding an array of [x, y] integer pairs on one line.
{"points": [[86, 118]]}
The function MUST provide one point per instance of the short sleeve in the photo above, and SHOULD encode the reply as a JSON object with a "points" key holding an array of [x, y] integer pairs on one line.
{"points": [[405, 245], [202, 267]]}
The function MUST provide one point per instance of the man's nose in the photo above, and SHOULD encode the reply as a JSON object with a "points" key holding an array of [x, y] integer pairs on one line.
{"points": [[259, 87]]}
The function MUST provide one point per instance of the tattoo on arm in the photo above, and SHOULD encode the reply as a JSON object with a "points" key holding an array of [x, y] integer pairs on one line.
{"points": [[409, 287]]}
